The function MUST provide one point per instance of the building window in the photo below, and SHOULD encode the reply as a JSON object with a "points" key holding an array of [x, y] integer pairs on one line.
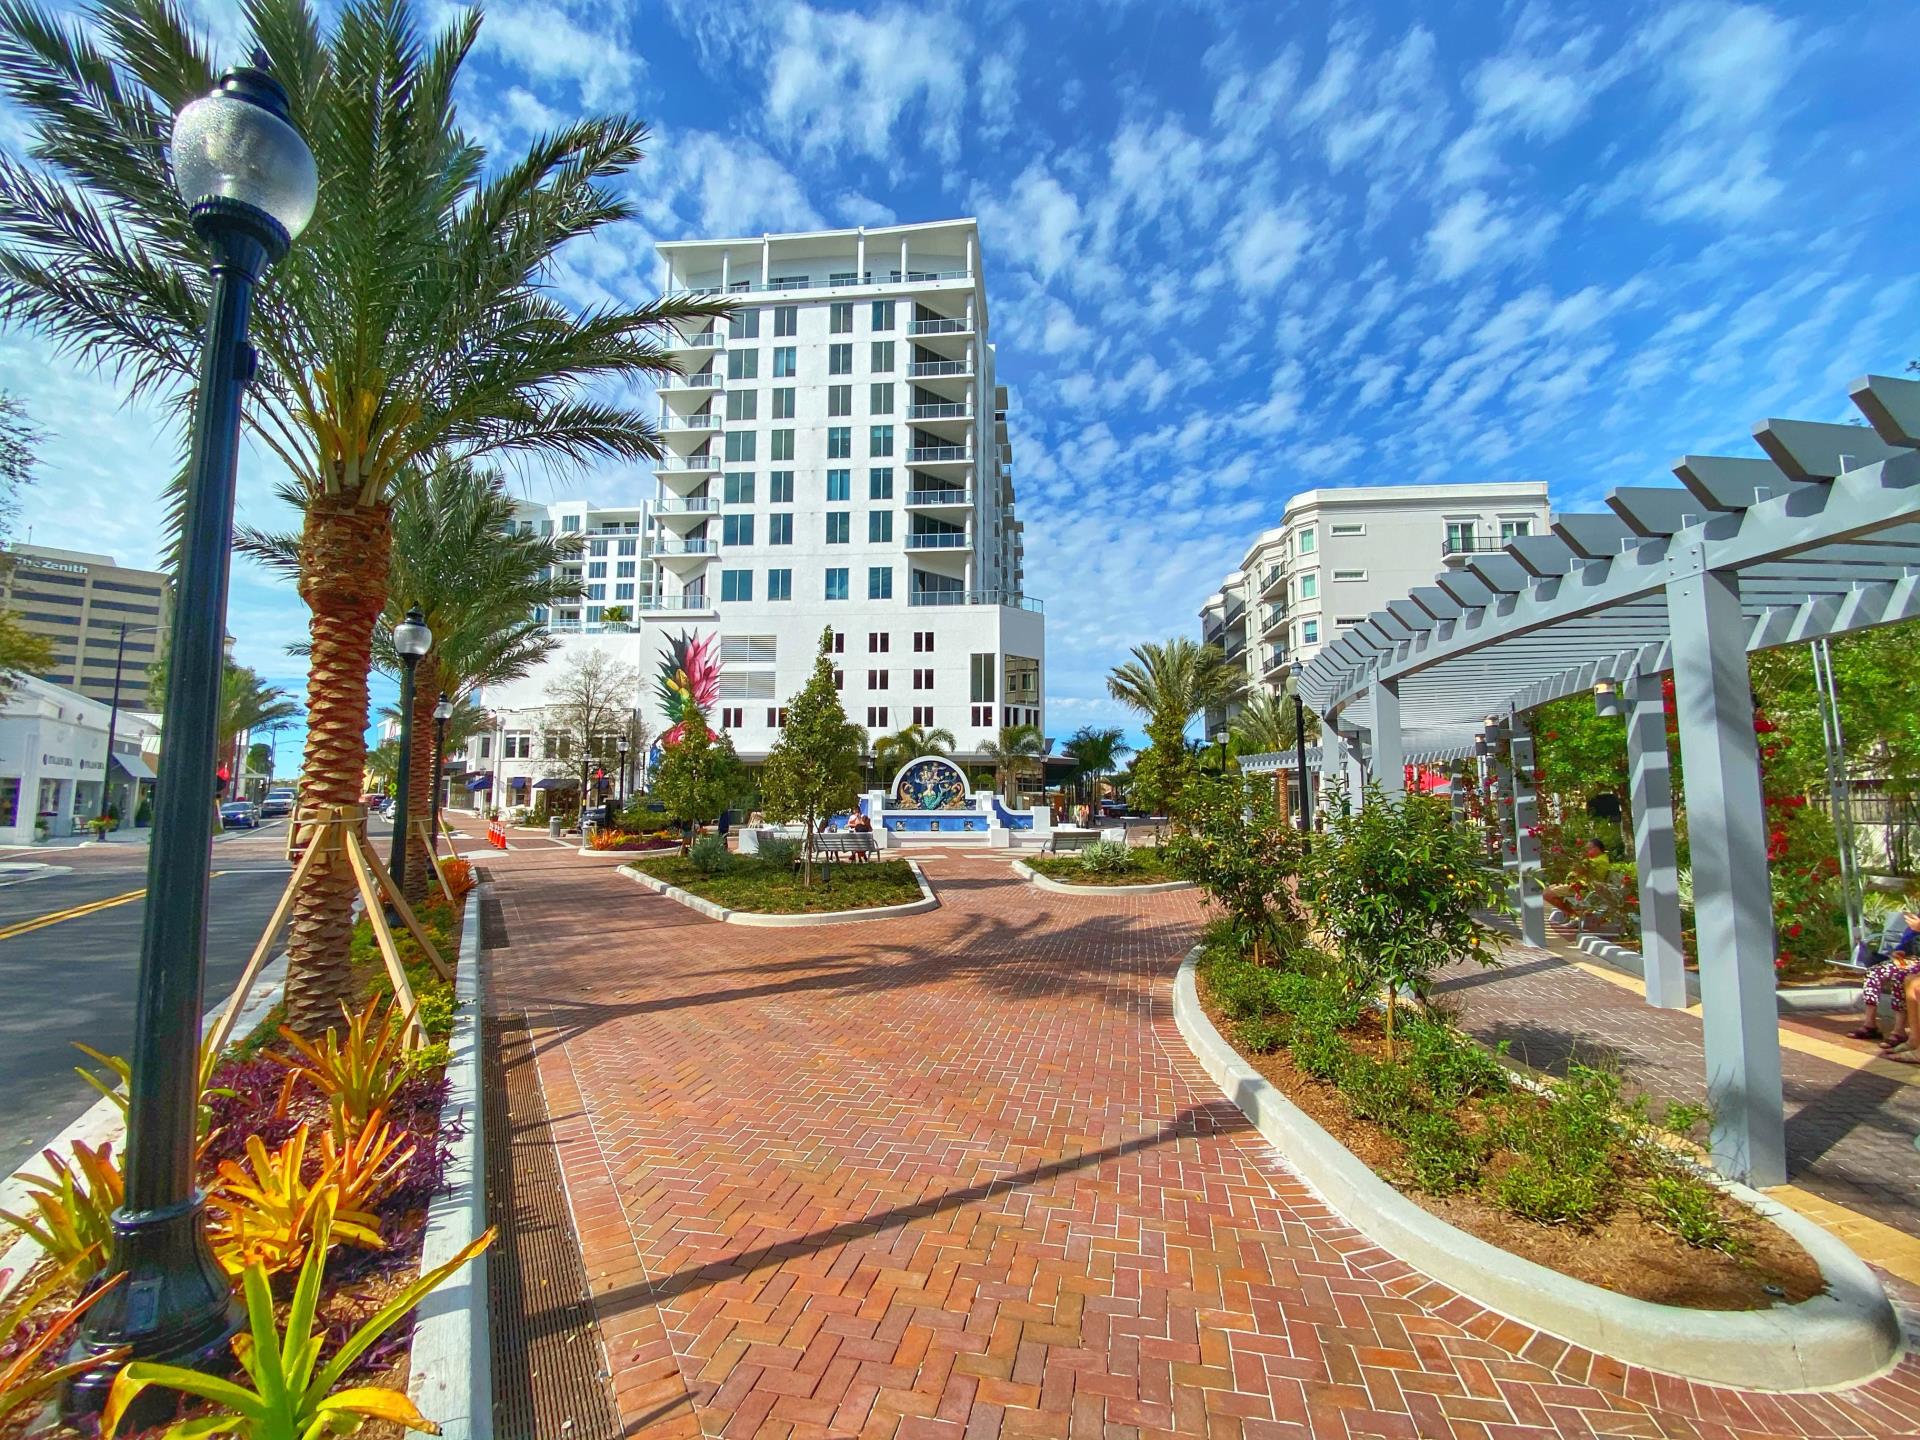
{"points": [[983, 715], [839, 642], [923, 641], [740, 446], [1309, 586], [783, 402], [840, 318], [596, 547], [782, 445], [879, 642], [881, 441], [1306, 542], [737, 488], [780, 487], [1515, 529], [743, 404], [736, 530], [839, 359], [786, 320], [881, 400], [733, 717], [780, 583], [839, 485], [743, 325], [837, 582], [623, 569], [1345, 531], [877, 679], [623, 592], [880, 582], [744, 364], [883, 314], [880, 483], [839, 679], [923, 715], [736, 585], [1346, 575], [839, 400], [570, 524], [780, 529], [1309, 632], [596, 592], [882, 357], [776, 717], [1347, 622], [597, 570], [879, 527], [839, 442], [876, 717], [783, 358], [629, 547], [923, 679], [839, 527], [981, 670]]}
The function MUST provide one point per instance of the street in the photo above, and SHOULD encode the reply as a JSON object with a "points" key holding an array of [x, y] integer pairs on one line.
{"points": [[69, 953]]}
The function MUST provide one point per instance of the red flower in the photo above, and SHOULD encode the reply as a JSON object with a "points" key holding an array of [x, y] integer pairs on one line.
{"points": [[1763, 726], [1793, 931]]}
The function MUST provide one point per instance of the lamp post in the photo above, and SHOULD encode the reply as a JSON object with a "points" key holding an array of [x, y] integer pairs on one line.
{"points": [[442, 713], [251, 185], [113, 712], [1220, 738], [1300, 759], [622, 745], [411, 640]]}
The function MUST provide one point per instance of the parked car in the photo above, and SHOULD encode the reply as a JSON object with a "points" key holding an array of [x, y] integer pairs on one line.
{"points": [[239, 815], [276, 803]]}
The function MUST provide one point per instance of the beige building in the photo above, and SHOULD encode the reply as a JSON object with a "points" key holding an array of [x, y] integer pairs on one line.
{"points": [[100, 616]]}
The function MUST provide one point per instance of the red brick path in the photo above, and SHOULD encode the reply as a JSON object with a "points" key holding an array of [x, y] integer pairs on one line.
{"points": [[957, 1175]]}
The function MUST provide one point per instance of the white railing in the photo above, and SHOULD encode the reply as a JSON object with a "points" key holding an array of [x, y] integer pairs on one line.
{"points": [[940, 367], [687, 462], [686, 505], [936, 497], [939, 327], [927, 454], [955, 541], [949, 410], [938, 598]]}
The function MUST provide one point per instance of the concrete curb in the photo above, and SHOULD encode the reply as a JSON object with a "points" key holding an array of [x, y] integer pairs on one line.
{"points": [[591, 853], [102, 1121], [1810, 1000], [927, 901], [451, 1370], [1060, 887], [1841, 1337]]}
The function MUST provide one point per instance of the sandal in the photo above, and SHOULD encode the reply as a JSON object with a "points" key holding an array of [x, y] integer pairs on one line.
{"points": [[1903, 1057], [1865, 1032], [1894, 1041]]}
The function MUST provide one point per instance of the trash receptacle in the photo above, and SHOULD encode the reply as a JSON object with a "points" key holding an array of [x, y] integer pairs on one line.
{"points": [[553, 827]]}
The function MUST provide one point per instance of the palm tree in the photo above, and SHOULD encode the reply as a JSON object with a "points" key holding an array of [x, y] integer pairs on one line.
{"points": [[890, 752], [248, 703], [1095, 752], [1176, 679], [1265, 725], [1011, 754], [457, 556], [412, 321]]}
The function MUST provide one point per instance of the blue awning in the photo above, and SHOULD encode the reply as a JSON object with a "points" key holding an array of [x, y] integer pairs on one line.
{"points": [[480, 782]]}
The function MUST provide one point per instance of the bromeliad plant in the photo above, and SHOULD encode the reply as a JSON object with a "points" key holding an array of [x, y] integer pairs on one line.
{"points": [[289, 1394], [357, 1072], [266, 1215], [21, 1383], [74, 1205]]}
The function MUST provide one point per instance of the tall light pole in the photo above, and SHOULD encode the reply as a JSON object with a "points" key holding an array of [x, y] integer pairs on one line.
{"points": [[442, 713], [1300, 759], [251, 185], [113, 711], [411, 640], [623, 744]]}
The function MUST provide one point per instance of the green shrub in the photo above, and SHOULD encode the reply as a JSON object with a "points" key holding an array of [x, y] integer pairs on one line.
{"points": [[710, 855], [1452, 1067], [1567, 1150], [1538, 1188], [1442, 1158], [1109, 857], [1683, 1118], [1685, 1205], [1261, 1036], [1380, 1091], [1233, 844], [1321, 1054], [778, 852]]}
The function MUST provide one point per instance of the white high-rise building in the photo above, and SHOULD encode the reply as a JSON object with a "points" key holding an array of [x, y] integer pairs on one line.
{"points": [[1339, 554], [837, 459]]}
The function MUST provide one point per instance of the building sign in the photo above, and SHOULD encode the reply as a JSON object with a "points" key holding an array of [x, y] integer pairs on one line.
{"points": [[65, 567]]}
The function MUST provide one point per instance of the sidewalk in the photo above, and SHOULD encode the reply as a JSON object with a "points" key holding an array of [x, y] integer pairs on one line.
{"points": [[957, 1176]]}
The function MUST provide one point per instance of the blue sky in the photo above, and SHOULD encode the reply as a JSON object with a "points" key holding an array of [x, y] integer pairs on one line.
{"points": [[1233, 251]]}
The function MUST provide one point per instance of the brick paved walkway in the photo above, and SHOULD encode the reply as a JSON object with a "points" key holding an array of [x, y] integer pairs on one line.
{"points": [[957, 1175], [1849, 1131]]}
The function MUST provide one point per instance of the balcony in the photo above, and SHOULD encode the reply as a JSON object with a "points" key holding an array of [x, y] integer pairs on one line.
{"points": [[650, 603], [1274, 580], [1275, 661], [1012, 599], [705, 340], [939, 327], [703, 380], [672, 421], [709, 463], [947, 410], [1463, 542], [783, 283], [1272, 618], [939, 455], [1236, 646], [926, 369], [674, 545], [944, 540], [936, 499], [686, 505]]}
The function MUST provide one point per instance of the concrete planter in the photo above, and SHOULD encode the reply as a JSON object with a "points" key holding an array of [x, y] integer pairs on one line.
{"points": [[927, 901], [1843, 1336], [1060, 887], [1805, 1000]]}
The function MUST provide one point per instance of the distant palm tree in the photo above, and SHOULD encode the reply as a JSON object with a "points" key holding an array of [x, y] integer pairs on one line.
{"points": [[890, 752], [414, 319], [1264, 725], [1012, 753], [1095, 753], [1177, 679]]}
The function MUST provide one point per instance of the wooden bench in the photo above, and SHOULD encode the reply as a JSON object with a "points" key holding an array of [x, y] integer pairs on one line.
{"points": [[1062, 842], [842, 846]]}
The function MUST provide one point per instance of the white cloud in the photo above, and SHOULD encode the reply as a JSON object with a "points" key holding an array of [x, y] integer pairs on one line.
{"points": [[1036, 224], [549, 44], [1267, 247], [1474, 230], [724, 185], [857, 209]]}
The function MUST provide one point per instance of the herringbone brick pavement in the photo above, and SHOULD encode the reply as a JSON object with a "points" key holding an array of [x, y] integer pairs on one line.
{"points": [[958, 1176]]}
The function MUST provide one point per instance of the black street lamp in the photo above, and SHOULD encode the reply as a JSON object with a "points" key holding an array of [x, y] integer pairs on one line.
{"points": [[411, 640], [623, 745], [250, 183], [442, 713], [1300, 760], [113, 715]]}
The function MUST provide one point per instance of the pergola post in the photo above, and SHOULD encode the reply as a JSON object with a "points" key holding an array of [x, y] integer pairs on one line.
{"points": [[1526, 844], [1650, 791], [1500, 811], [1332, 753], [1354, 758], [1389, 765], [1733, 906]]}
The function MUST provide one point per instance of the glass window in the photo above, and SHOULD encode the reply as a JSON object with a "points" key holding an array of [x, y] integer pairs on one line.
{"points": [[780, 487], [629, 547], [736, 584], [879, 526], [596, 592], [597, 570], [744, 364], [1515, 529], [880, 582], [736, 530], [779, 584], [596, 547], [840, 318], [740, 445], [837, 582], [1306, 542], [783, 403], [881, 401], [883, 314], [743, 325], [570, 524], [839, 400], [623, 569], [839, 527], [881, 441], [623, 592], [782, 445], [839, 442], [737, 488], [1309, 587], [786, 320], [880, 483], [1309, 632], [883, 357], [780, 529], [840, 359], [839, 485], [742, 404], [783, 365]]}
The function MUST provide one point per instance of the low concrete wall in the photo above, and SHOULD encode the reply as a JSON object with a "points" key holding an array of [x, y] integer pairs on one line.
{"points": [[927, 901], [1033, 877], [1843, 1336], [1810, 1000]]}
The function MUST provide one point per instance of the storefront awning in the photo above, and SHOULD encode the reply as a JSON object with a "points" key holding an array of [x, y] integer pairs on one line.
{"points": [[480, 782], [134, 766], [557, 782]]}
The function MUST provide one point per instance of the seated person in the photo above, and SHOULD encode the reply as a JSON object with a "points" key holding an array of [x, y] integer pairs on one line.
{"points": [[1900, 944]]}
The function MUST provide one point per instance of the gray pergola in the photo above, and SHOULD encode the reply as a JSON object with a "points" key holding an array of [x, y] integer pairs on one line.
{"points": [[1817, 537]]}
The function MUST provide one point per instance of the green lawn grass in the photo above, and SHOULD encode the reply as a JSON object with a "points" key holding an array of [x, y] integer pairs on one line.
{"points": [[1148, 869], [763, 889]]}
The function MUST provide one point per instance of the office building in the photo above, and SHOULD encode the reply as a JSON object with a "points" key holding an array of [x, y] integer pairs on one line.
{"points": [[102, 617]]}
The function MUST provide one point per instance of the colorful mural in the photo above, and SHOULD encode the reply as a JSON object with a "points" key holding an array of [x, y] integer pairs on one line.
{"points": [[931, 783], [689, 680]]}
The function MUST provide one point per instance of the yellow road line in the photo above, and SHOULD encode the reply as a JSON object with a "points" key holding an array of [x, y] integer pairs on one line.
{"points": [[1894, 1251], [76, 912]]}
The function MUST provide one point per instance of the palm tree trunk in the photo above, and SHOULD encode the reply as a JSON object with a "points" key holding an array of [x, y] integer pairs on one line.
{"points": [[420, 777], [344, 550]]}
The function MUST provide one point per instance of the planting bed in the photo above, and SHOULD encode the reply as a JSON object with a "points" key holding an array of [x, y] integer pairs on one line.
{"points": [[1145, 866], [762, 887]]}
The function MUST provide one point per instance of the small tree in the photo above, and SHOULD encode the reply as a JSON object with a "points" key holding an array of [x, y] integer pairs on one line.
{"points": [[590, 704], [813, 769], [1233, 844], [1162, 772], [1400, 889], [697, 775]]}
